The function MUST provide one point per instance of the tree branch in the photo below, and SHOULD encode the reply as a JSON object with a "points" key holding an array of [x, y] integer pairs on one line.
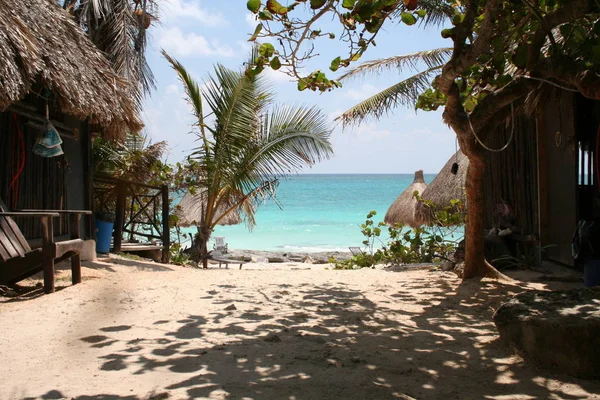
{"points": [[489, 106], [576, 9]]}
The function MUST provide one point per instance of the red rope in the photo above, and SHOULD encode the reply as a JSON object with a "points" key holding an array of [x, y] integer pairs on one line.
{"points": [[14, 184]]}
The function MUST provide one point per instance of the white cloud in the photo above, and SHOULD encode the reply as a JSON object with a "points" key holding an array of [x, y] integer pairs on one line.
{"points": [[190, 9], [251, 20], [366, 90], [181, 44], [276, 76], [172, 89]]}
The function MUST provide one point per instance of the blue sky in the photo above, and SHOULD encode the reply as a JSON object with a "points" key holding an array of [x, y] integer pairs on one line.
{"points": [[201, 33]]}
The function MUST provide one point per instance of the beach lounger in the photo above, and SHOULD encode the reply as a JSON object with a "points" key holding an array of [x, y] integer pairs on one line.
{"points": [[356, 251], [222, 259], [220, 245]]}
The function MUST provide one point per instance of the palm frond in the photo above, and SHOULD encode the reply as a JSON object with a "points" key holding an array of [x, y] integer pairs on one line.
{"points": [[112, 25], [437, 11], [191, 88], [291, 137], [430, 58], [405, 93]]}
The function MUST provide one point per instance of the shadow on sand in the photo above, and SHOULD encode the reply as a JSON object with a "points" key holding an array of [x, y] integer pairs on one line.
{"points": [[333, 342]]}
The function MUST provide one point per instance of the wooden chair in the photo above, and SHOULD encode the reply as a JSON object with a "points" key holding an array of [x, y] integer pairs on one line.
{"points": [[19, 261]]}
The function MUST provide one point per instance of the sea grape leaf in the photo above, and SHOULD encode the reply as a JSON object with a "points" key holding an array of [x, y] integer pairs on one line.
{"points": [[256, 32], [266, 49], [276, 8], [348, 4], [408, 18], [253, 5], [335, 64], [316, 4], [275, 63]]}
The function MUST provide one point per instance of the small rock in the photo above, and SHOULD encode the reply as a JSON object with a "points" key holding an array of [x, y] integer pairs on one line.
{"points": [[231, 307], [8, 292], [558, 329], [447, 266], [272, 337], [459, 269], [308, 260]]}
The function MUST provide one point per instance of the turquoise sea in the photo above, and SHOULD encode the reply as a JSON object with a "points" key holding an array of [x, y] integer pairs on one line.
{"points": [[318, 212]]}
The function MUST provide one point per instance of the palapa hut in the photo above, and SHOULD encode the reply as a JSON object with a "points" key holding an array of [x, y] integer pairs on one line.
{"points": [[191, 207], [445, 187], [50, 70], [402, 210]]}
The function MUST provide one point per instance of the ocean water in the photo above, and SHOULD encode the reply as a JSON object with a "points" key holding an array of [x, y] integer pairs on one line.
{"points": [[318, 212]]}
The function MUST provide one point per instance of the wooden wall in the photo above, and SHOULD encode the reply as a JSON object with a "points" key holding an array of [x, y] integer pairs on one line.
{"points": [[45, 183], [511, 175]]}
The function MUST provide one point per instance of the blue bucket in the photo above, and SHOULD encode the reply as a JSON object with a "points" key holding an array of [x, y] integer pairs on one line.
{"points": [[104, 231], [591, 272]]}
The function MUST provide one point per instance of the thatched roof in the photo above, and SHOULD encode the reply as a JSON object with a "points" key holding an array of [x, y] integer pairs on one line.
{"points": [[39, 43], [402, 211], [445, 187], [190, 209]]}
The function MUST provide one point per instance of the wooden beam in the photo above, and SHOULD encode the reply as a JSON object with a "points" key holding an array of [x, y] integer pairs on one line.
{"points": [[119, 216], [75, 220], [166, 227]]}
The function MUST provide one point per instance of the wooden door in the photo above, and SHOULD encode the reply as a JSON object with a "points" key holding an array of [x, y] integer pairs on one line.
{"points": [[557, 173]]}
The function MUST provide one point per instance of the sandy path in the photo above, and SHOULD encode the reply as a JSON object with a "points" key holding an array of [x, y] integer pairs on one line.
{"points": [[140, 329]]}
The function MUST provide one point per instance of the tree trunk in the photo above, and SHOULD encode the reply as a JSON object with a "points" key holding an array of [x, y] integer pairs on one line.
{"points": [[474, 240], [475, 264], [199, 250]]}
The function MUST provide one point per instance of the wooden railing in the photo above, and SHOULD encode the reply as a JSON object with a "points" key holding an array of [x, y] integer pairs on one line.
{"points": [[141, 211]]}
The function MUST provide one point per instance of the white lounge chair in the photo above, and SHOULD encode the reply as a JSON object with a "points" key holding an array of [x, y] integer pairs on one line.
{"points": [[356, 251], [220, 245]]}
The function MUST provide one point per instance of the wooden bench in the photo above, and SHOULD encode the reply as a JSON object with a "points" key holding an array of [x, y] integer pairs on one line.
{"points": [[19, 261]]}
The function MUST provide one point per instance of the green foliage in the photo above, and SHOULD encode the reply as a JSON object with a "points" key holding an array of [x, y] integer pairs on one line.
{"points": [[135, 158], [424, 244], [177, 256], [526, 258]]}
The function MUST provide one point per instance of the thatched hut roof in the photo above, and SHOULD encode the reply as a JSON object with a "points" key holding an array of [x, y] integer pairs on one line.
{"points": [[191, 206], [445, 187], [402, 211], [40, 43]]}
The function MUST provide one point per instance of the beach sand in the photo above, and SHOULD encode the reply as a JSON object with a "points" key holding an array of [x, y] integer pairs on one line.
{"points": [[141, 330]]}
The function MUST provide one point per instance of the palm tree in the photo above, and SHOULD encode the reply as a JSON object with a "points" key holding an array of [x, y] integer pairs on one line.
{"points": [[404, 93], [135, 159], [118, 28], [246, 143]]}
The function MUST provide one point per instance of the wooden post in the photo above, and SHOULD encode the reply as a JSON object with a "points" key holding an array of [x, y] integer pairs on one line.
{"points": [[119, 216], [166, 234], [76, 258], [48, 254]]}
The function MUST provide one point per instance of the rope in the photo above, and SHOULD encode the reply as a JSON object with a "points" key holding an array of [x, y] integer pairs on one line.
{"points": [[551, 83], [512, 133], [14, 184]]}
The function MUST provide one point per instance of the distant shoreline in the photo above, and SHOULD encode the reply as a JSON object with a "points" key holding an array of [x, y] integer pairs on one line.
{"points": [[288, 256]]}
